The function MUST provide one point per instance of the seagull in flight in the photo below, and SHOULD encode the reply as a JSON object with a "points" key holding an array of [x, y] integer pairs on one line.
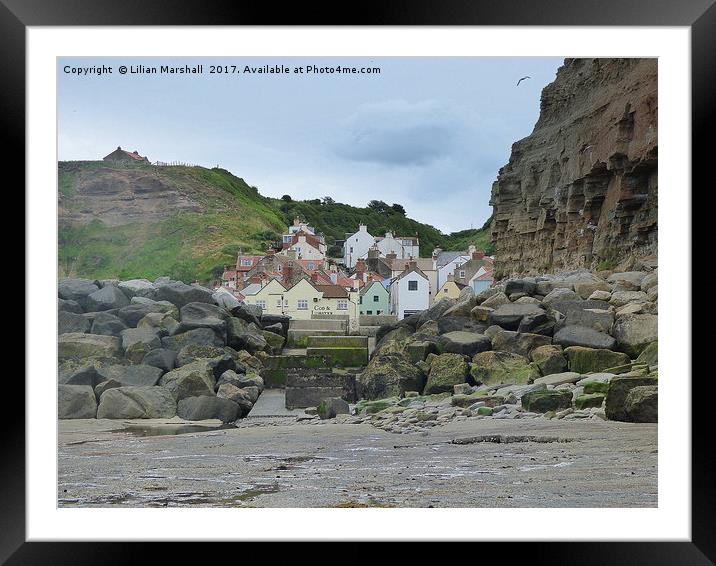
{"points": [[522, 79]]}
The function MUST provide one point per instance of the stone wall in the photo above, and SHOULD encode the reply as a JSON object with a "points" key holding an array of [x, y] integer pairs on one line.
{"points": [[581, 190]]}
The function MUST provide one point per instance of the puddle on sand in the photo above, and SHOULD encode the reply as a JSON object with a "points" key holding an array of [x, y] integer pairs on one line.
{"points": [[170, 429]]}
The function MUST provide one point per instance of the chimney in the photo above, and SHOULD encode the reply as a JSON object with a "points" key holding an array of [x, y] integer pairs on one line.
{"points": [[314, 277], [334, 277], [436, 253], [362, 227], [296, 221], [119, 148], [451, 277], [391, 255], [478, 254], [373, 253]]}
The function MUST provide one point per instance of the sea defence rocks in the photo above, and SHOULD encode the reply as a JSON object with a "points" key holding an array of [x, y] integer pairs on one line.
{"points": [[142, 347], [571, 351]]}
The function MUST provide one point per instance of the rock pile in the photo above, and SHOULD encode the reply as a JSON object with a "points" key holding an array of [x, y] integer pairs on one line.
{"points": [[137, 349], [576, 344]]}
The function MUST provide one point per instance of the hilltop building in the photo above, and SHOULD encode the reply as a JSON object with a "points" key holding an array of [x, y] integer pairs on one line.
{"points": [[304, 242], [121, 155]]}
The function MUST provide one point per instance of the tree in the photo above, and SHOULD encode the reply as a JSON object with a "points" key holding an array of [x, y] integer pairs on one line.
{"points": [[287, 198], [328, 200], [378, 205], [398, 208]]}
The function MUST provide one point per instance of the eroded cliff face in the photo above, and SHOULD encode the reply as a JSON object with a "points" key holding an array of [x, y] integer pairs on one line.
{"points": [[581, 190]]}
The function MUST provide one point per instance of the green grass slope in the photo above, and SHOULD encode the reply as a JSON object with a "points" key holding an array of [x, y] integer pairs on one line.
{"points": [[184, 246]]}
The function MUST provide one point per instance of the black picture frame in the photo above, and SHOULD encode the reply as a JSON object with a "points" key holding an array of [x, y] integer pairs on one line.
{"points": [[699, 15]]}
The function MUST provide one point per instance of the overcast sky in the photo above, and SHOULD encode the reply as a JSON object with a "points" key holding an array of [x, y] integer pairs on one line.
{"points": [[428, 133]]}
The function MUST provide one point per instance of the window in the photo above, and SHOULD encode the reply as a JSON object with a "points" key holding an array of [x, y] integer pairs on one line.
{"points": [[445, 290], [287, 239], [246, 262], [360, 300], [302, 305], [261, 304], [462, 275], [351, 249], [311, 266], [368, 312], [378, 312], [376, 298], [279, 302], [342, 305], [412, 285]]}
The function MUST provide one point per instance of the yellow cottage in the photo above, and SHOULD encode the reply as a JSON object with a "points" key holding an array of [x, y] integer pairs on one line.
{"points": [[450, 290]]}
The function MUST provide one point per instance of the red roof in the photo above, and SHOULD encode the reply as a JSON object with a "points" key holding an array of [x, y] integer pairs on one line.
{"points": [[332, 291], [253, 258]]}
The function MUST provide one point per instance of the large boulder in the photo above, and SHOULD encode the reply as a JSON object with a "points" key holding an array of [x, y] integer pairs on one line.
{"points": [[161, 358], [136, 342], [592, 360], [242, 335], [632, 278], [545, 285], [496, 300], [586, 283], [435, 311], [203, 336], [393, 340], [649, 281], [491, 368], [274, 341], [464, 304], [583, 336], [619, 388], [559, 378], [521, 343], [107, 324], [106, 298], [194, 379], [71, 322], [192, 352], [590, 313], [225, 299], [446, 370], [560, 295], [447, 324], [634, 332], [64, 305], [203, 315], [130, 375], [249, 313], [136, 311], [162, 321], [538, 323], [621, 298], [549, 359], [543, 400], [389, 375], [521, 286], [241, 380], [642, 404], [76, 345], [180, 294], [137, 288], [204, 407], [136, 402], [76, 402], [76, 290], [510, 316], [463, 343]]}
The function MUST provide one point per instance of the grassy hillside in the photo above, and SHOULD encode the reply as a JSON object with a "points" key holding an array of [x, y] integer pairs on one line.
{"points": [[186, 245], [230, 215]]}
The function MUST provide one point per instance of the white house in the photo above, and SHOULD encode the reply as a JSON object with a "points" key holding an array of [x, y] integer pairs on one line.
{"points": [[447, 263], [409, 292], [402, 247], [356, 246]]}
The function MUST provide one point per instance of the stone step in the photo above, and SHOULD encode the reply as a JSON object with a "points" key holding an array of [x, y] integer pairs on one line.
{"points": [[377, 319], [345, 357], [336, 342], [298, 338], [314, 324]]}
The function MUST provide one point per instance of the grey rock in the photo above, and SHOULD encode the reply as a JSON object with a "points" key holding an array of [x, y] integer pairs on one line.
{"points": [[329, 408], [161, 358], [181, 294], [76, 402], [137, 288], [204, 407], [137, 342], [136, 311], [136, 402], [71, 322], [130, 375], [204, 336], [510, 316], [521, 343], [194, 379], [76, 345], [76, 289], [634, 332], [107, 324], [583, 336], [465, 343], [225, 299], [65, 305], [109, 297]]}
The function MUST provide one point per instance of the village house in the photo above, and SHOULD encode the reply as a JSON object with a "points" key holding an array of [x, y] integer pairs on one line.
{"points": [[306, 300], [476, 273], [450, 289], [357, 245], [229, 278], [447, 262], [374, 299], [390, 267], [121, 155], [409, 291], [304, 241]]}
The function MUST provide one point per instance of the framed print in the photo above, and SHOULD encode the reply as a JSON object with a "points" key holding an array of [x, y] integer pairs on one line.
{"points": [[388, 279]]}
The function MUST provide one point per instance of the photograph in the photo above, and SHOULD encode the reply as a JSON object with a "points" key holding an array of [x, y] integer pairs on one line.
{"points": [[357, 281]]}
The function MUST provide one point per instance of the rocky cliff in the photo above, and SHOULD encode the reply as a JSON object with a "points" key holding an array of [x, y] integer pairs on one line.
{"points": [[581, 190]]}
